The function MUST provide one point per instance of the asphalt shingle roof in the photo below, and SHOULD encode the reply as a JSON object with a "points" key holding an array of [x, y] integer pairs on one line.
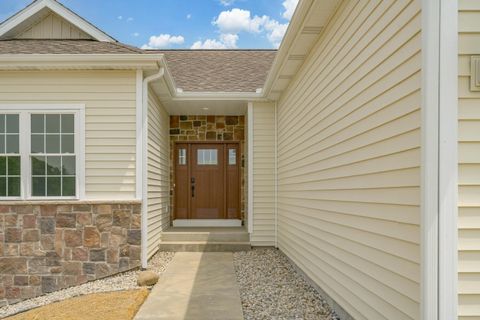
{"points": [[192, 70], [219, 70], [49, 46]]}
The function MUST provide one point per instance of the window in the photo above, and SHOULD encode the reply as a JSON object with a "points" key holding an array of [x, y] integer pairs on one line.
{"points": [[207, 156], [182, 156], [232, 157], [53, 155], [41, 152], [9, 155]]}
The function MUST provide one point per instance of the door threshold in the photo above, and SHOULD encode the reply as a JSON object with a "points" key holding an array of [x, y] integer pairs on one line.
{"points": [[207, 223]]}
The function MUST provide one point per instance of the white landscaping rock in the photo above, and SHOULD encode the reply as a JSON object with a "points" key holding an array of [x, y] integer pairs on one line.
{"points": [[147, 278], [271, 288]]}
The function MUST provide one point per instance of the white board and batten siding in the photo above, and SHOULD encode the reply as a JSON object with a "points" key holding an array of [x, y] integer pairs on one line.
{"points": [[263, 184], [53, 27], [469, 165], [110, 100], [349, 160], [158, 163]]}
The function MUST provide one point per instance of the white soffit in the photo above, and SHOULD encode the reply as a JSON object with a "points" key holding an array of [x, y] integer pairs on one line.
{"points": [[37, 10], [305, 29]]}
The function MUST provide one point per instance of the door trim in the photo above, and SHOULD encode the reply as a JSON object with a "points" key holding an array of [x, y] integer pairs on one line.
{"points": [[174, 164]]}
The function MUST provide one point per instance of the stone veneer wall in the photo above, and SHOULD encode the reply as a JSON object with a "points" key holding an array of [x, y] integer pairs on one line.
{"points": [[208, 128], [47, 247]]}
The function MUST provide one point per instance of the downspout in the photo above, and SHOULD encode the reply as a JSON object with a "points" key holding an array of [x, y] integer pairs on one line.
{"points": [[144, 143], [276, 178]]}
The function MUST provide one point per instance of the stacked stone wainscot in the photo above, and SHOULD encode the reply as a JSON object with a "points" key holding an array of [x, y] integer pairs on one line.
{"points": [[46, 247]]}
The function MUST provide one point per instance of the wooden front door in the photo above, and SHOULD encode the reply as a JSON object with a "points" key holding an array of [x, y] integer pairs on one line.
{"points": [[207, 181]]}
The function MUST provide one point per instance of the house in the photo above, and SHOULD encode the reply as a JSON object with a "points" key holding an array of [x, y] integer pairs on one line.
{"points": [[353, 149]]}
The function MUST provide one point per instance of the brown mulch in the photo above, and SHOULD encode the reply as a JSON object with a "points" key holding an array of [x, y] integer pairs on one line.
{"points": [[118, 305]]}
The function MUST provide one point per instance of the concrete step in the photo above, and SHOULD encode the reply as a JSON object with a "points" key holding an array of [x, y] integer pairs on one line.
{"points": [[203, 246], [177, 234]]}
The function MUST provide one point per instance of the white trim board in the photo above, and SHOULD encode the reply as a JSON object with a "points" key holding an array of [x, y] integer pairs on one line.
{"points": [[17, 22], [250, 167], [207, 223], [439, 294]]}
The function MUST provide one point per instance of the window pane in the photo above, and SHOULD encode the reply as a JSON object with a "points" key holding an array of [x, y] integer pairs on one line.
{"points": [[68, 166], [38, 186], [38, 166], [68, 187], [2, 123], [54, 166], [68, 125], [2, 143], [182, 156], [54, 186], [38, 124], [3, 166], [13, 166], [67, 143], [12, 123], [207, 156], [52, 123], [12, 143], [232, 156], [13, 187], [53, 143], [3, 187], [38, 143]]}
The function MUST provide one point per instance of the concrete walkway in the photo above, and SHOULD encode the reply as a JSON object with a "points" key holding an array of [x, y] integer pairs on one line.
{"points": [[196, 285]]}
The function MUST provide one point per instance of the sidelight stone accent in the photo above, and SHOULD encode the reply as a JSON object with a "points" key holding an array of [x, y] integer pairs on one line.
{"points": [[48, 247], [208, 128]]}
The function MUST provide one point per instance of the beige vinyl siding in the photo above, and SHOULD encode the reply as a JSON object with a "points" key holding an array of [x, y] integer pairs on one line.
{"points": [[158, 164], [349, 160], [53, 27], [109, 98], [263, 174], [469, 165]]}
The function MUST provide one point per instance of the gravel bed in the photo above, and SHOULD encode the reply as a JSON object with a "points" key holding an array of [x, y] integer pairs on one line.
{"points": [[122, 281], [270, 288]]}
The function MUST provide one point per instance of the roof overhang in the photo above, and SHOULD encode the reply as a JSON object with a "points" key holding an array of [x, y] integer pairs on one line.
{"points": [[306, 27], [38, 10], [79, 61]]}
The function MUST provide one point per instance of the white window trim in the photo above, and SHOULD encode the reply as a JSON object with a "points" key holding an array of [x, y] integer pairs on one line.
{"points": [[24, 110]]}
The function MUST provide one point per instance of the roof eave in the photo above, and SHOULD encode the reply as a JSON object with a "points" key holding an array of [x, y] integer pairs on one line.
{"points": [[297, 28], [79, 61], [17, 19]]}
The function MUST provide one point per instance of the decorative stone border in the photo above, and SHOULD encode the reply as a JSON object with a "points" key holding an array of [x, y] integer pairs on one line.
{"points": [[49, 246]]}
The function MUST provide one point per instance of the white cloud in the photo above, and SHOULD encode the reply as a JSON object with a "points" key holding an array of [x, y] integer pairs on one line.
{"points": [[120, 17], [209, 44], [163, 41], [230, 40], [237, 20], [135, 34], [276, 31], [189, 16], [289, 6], [227, 3], [129, 19]]}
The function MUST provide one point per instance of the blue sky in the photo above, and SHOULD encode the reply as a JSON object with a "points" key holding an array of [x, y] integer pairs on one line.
{"points": [[210, 24]]}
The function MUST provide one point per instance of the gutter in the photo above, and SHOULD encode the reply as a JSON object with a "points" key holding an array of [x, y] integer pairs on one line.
{"points": [[79, 61], [144, 142]]}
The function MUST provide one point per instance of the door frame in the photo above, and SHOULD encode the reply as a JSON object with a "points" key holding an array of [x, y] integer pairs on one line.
{"points": [[225, 155]]}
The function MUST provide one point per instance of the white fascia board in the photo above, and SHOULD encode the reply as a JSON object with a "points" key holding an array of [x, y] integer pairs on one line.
{"points": [[59, 9], [59, 61], [224, 96]]}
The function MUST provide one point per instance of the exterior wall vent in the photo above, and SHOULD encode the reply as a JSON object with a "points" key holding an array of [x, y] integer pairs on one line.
{"points": [[475, 73]]}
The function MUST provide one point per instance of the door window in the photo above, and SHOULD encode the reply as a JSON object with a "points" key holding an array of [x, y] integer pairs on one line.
{"points": [[207, 157]]}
